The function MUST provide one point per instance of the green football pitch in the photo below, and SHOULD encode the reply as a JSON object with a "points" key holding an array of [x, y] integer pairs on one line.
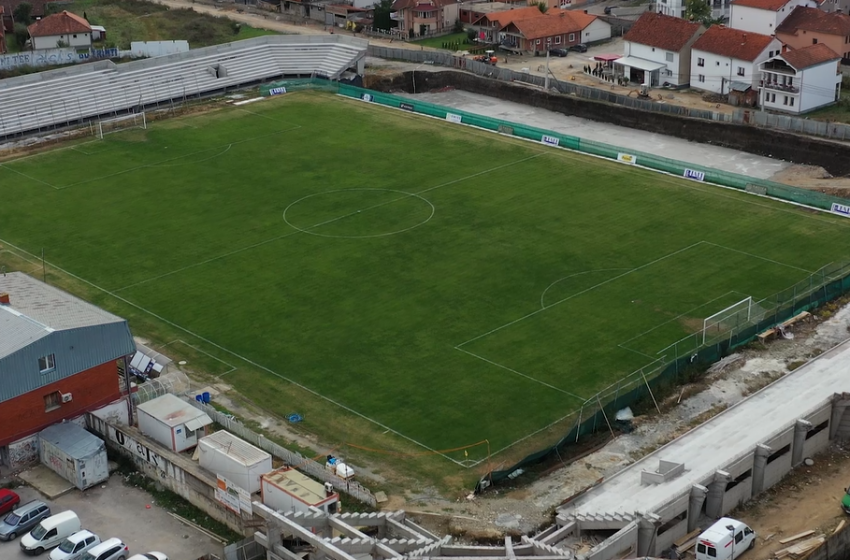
{"points": [[447, 284]]}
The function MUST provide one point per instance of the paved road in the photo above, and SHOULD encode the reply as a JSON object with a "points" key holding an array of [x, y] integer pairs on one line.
{"points": [[117, 510]]}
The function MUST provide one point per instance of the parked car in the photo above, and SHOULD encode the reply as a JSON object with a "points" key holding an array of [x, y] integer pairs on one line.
{"points": [[50, 532], [23, 519], [558, 52], [149, 556], [8, 500], [845, 501], [110, 549], [73, 547], [581, 47]]}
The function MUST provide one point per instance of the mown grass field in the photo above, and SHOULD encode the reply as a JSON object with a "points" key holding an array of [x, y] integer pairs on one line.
{"points": [[447, 284]]}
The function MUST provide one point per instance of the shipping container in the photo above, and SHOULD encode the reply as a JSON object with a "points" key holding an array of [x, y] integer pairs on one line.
{"points": [[172, 422], [287, 490], [74, 454], [241, 463]]}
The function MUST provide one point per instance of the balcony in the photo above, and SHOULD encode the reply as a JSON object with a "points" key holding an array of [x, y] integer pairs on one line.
{"points": [[780, 87]]}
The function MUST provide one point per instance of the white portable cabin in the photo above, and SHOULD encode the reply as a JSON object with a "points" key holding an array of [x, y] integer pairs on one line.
{"points": [[172, 422], [717, 542], [288, 490], [74, 454], [235, 459]]}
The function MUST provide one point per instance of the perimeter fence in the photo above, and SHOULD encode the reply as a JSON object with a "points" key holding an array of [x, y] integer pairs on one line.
{"points": [[688, 358]]}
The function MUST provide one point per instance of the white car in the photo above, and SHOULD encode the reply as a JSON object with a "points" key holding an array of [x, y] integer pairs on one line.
{"points": [[149, 556], [110, 549], [74, 546]]}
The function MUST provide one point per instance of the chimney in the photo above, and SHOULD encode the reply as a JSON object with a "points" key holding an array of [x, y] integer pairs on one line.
{"points": [[585, 11], [4, 298]]}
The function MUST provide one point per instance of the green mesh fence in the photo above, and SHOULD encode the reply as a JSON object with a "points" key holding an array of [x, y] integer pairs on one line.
{"points": [[688, 358]]}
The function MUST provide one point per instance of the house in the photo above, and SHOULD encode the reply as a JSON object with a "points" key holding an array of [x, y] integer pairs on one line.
{"points": [[172, 422], [424, 17], [2, 31], [657, 50], [471, 12], [831, 6], [809, 26], [489, 26], [677, 8], [554, 29], [39, 10], [59, 358], [62, 29], [723, 56], [800, 80], [763, 16]]}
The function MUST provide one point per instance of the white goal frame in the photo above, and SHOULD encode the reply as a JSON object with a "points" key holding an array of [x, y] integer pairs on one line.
{"points": [[734, 309], [133, 120]]}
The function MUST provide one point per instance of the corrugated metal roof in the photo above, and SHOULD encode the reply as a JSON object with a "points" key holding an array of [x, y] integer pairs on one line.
{"points": [[73, 439], [235, 448], [171, 410], [297, 484], [51, 306], [17, 331]]}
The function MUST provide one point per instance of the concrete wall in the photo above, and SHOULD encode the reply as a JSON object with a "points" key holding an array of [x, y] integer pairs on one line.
{"points": [[832, 156], [743, 490], [816, 442], [672, 529], [779, 465], [623, 544]]}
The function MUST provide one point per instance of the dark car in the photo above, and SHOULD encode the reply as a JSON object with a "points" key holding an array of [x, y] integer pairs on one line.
{"points": [[8, 501], [558, 52], [581, 47]]}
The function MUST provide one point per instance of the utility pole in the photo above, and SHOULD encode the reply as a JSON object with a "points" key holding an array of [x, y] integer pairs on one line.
{"points": [[546, 82]]}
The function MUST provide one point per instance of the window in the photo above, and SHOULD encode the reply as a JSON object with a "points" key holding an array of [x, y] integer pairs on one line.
{"points": [[47, 363], [572, 37], [779, 453], [823, 425], [75, 35], [538, 41], [700, 62], [558, 40], [741, 478], [701, 78], [669, 57], [52, 401], [739, 537], [717, 63], [815, 41], [673, 522], [792, 102], [785, 100], [740, 70], [668, 73]]}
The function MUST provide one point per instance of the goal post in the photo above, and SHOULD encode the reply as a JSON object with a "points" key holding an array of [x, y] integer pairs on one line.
{"points": [[727, 320], [124, 122]]}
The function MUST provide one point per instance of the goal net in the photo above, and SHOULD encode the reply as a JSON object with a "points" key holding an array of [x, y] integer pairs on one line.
{"points": [[108, 126], [730, 320]]}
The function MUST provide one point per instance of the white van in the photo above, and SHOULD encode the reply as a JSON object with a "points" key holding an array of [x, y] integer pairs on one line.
{"points": [[717, 542], [50, 532]]}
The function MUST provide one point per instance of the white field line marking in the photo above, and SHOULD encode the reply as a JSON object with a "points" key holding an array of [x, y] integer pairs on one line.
{"points": [[235, 355], [221, 153], [326, 222], [232, 367], [521, 374], [543, 295], [23, 258], [599, 285], [30, 178], [759, 257]]}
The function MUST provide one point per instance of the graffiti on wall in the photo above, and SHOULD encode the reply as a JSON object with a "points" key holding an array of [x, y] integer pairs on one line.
{"points": [[52, 57], [23, 452]]}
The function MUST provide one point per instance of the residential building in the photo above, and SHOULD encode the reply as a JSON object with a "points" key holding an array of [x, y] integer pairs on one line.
{"points": [[554, 29], [424, 17], [763, 16], [809, 26], [471, 12], [59, 358], [60, 30], [800, 80], [657, 50], [831, 6], [489, 26], [723, 56], [38, 10], [720, 9]]}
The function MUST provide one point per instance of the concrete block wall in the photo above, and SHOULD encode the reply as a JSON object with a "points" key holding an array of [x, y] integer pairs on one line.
{"points": [[623, 544], [818, 438], [674, 518], [741, 470], [780, 461]]}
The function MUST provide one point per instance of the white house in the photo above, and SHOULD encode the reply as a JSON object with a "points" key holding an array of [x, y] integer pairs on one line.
{"points": [[657, 50], [800, 80], [677, 8], [58, 30], [763, 16], [724, 55]]}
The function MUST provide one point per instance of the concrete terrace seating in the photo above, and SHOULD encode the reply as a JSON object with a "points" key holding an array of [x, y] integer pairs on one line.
{"points": [[103, 89]]}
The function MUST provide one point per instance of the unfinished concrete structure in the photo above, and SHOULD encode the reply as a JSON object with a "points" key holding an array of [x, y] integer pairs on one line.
{"points": [[641, 510]]}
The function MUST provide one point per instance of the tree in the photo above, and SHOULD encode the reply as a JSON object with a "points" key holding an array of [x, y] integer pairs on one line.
{"points": [[23, 13], [382, 14], [21, 35], [698, 11], [542, 6]]}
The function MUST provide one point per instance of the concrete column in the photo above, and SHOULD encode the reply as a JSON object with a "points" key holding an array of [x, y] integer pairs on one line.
{"points": [[697, 498], [759, 464], [647, 527], [361, 66], [801, 428], [716, 493], [839, 406]]}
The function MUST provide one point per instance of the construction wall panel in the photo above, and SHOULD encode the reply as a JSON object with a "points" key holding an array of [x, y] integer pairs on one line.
{"points": [[818, 438], [779, 463], [742, 490]]}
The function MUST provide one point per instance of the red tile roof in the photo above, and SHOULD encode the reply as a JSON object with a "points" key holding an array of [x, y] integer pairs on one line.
{"points": [[663, 32], [733, 43], [812, 19], [553, 22], [404, 4], [772, 5], [505, 17], [810, 56], [59, 24]]}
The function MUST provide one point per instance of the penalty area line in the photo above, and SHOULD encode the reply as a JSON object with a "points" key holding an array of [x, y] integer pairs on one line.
{"points": [[235, 355]]}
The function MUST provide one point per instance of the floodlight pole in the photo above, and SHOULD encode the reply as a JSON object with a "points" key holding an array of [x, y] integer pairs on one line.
{"points": [[546, 81]]}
